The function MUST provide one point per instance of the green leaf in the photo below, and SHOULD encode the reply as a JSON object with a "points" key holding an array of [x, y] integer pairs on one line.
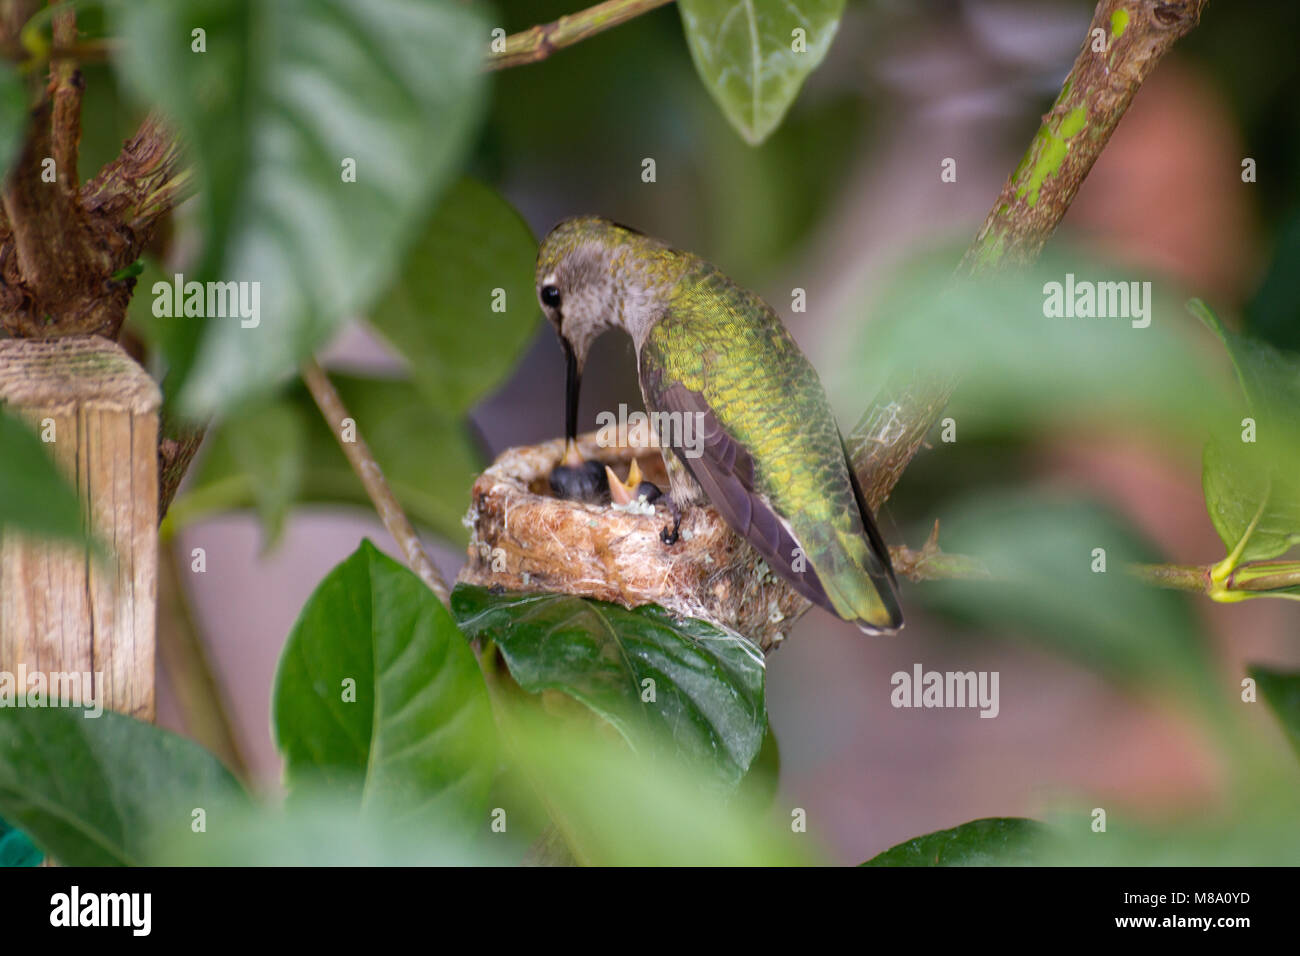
{"points": [[746, 53], [995, 841], [17, 848], [379, 696], [13, 115], [1274, 312], [1251, 490], [320, 828], [1244, 493], [1019, 369], [1281, 690], [764, 774], [268, 445], [97, 791], [707, 682], [614, 807], [283, 95], [34, 496], [441, 313], [428, 459], [1041, 553]]}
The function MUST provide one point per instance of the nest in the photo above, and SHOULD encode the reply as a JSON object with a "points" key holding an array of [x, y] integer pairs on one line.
{"points": [[522, 538]]}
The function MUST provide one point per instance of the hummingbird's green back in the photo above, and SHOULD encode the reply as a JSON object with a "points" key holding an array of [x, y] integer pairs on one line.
{"points": [[720, 349]]}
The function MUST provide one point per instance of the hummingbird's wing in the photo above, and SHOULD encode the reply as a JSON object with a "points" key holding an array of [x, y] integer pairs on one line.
{"points": [[725, 471], [771, 459]]}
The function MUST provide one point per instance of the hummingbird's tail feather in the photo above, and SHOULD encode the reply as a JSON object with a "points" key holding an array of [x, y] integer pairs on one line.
{"points": [[861, 588]]}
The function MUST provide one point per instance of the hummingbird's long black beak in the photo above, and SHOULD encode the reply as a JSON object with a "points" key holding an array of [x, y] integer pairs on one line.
{"points": [[572, 385]]}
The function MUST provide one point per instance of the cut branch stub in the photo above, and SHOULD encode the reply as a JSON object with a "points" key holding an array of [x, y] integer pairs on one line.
{"points": [[66, 608], [523, 539]]}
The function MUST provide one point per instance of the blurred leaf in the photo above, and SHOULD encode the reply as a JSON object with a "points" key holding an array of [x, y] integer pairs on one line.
{"points": [[1274, 313], [756, 205], [101, 791], [760, 783], [1019, 368], [1281, 690], [707, 682], [13, 115], [1265, 833], [378, 696], [107, 118], [320, 829], [1255, 483], [427, 458], [16, 848], [284, 94], [1240, 484], [614, 807], [996, 841], [268, 446], [439, 314], [34, 496], [754, 55], [1041, 553]]}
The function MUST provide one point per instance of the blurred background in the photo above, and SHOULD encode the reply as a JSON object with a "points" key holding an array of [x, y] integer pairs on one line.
{"points": [[844, 192]]}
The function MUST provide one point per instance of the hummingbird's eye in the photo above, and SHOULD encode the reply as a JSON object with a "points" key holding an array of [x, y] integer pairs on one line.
{"points": [[550, 296]]}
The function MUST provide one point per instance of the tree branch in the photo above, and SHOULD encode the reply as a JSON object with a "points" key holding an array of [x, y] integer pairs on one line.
{"points": [[66, 86], [1137, 34], [61, 248], [372, 478], [539, 42]]}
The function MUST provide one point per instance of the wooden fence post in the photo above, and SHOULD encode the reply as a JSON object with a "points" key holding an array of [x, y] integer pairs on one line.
{"points": [[64, 609]]}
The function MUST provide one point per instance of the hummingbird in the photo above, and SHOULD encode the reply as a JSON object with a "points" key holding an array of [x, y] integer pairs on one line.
{"points": [[767, 454]]}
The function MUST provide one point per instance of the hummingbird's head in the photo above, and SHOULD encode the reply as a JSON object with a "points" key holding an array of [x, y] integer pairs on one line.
{"points": [[592, 275]]}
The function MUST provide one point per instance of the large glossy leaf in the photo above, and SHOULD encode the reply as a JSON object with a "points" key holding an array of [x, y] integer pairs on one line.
{"points": [[652, 676], [379, 696], [996, 841], [754, 55], [428, 459], [34, 495], [283, 95], [463, 307], [1281, 690], [1252, 491], [106, 790]]}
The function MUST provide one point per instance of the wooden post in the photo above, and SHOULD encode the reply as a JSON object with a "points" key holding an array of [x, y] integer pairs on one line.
{"points": [[62, 607]]}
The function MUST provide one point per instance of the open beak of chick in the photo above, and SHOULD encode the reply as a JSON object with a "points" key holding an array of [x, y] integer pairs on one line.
{"points": [[626, 492]]}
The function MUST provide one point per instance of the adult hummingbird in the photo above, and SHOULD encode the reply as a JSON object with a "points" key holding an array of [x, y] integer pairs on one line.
{"points": [[768, 455]]}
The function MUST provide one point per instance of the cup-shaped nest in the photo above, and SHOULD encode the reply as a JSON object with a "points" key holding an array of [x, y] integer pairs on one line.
{"points": [[523, 538]]}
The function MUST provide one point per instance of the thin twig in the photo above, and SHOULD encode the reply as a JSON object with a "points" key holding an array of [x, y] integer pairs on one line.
{"points": [[1137, 34], [539, 42], [372, 478]]}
